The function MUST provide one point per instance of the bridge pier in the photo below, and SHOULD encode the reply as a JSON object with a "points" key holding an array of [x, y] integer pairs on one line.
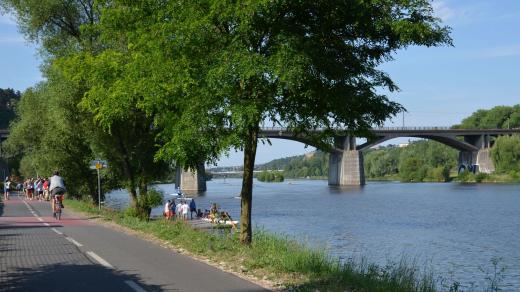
{"points": [[191, 180], [346, 167], [477, 161]]}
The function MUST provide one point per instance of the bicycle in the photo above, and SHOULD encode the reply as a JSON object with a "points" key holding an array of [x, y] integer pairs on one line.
{"points": [[56, 212]]}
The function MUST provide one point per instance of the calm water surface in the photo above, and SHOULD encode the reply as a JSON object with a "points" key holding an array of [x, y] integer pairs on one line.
{"points": [[455, 230]]}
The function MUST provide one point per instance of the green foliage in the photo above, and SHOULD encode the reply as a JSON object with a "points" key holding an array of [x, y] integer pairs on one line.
{"points": [[466, 176], [480, 177], [8, 100], [419, 161], [315, 164], [152, 198], [412, 169], [501, 117], [382, 162], [270, 176], [439, 174], [229, 67], [49, 134], [506, 154], [92, 111]]}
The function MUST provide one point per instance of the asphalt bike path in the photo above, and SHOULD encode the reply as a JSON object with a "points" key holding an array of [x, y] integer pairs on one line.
{"points": [[74, 254]]}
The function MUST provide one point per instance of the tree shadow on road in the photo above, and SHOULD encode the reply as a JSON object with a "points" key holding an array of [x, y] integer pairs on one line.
{"points": [[70, 277]]}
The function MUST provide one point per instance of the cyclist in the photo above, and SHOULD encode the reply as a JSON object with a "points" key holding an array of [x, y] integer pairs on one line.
{"points": [[57, 189]]}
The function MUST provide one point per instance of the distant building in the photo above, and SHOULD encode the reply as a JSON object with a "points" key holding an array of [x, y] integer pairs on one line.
{"points": [[402, 145]]}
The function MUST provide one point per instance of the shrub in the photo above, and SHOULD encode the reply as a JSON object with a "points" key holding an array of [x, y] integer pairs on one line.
{"points": [[466, 176], [145, 203], [481, 177]]}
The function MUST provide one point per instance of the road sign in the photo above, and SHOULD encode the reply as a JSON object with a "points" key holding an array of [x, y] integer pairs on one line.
{"points": [[98, 164]]}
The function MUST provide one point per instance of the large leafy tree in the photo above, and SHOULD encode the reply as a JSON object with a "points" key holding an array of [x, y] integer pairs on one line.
{"points": [[49, 131], [116, 129], [301, 64]]}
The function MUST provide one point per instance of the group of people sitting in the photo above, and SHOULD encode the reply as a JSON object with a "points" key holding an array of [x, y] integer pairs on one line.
{"points": [[216, 216], [180, 210]]}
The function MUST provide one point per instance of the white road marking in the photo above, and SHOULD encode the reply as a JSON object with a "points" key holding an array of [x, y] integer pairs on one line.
{"points": [[74, 241], [39, 219], [56, 230], [99, 259], [46, 224], [134, 286]]}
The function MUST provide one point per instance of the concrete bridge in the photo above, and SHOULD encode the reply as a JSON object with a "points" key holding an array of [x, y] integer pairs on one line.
{"points": [[346, 157]]}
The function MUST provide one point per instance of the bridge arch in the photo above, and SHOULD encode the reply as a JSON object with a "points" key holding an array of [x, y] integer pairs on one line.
{"points": [[448, 141]]}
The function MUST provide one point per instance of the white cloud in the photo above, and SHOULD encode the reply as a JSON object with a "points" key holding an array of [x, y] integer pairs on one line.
{"points": [[443, 11]]}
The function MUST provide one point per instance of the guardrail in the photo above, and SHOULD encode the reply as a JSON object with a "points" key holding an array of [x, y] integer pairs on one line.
{"points": [[397, 129]]}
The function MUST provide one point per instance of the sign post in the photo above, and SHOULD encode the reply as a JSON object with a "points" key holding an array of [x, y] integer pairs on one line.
{"points": [[98, 165]]}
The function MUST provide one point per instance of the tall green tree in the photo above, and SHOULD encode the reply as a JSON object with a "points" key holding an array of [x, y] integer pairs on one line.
{"points": [[117, 129], [49, 132], [300, 64], [506, 154]]}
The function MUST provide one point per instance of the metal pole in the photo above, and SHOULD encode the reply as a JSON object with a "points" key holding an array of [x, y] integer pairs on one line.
{"points": [[99, 189]]}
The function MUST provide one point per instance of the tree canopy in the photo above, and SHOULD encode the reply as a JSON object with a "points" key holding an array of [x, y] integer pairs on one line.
{"points": [[8, 99], [187, 80], [499, 117]]}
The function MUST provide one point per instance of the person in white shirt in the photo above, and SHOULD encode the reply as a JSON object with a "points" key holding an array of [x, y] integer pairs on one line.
{"points": [[178, 210], [184, 209]]}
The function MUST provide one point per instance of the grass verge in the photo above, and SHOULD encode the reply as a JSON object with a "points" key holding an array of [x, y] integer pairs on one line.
{"points": [[280, 260]]}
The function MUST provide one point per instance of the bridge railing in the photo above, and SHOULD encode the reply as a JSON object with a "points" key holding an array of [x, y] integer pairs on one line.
{"points": [[376, 129]]}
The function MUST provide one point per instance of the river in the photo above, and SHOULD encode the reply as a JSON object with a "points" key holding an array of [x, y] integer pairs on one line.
{"points": [[454, 230]]}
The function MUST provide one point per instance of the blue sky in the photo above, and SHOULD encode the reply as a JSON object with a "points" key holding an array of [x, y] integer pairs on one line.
{"points": [[439, 86]]}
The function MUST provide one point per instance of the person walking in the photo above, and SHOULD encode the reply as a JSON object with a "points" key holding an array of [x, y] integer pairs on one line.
{"points": [[184, 210], [193, 208], [167, 211], [7, 188]]}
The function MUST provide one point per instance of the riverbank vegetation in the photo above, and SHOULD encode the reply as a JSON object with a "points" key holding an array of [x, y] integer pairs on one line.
{"points": [[270, 176], [278, 259]]}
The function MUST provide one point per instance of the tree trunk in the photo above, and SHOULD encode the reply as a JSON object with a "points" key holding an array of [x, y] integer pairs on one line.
{"points": [[246, 233], [133, 197]]}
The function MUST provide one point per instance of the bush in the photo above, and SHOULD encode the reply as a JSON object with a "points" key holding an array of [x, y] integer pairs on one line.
{"points": [[466, 176], [481, 177], [270, 176], [131, 212], [145, 203]]}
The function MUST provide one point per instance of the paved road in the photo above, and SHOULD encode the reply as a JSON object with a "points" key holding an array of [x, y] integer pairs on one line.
{"points": [[38, 253]]}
